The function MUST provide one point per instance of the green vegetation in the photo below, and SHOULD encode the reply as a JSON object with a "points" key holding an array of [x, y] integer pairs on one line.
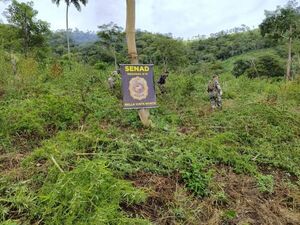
{"points": [[32, 32], [69, 153], [283, 23], [267, 65], [77, 4], [70, 130]]}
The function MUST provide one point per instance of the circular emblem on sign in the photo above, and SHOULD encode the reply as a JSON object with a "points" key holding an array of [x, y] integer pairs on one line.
{"points": [[138, 88]]}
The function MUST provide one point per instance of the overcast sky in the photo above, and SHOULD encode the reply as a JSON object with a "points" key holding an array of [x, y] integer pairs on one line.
{"points": [[182, 18]]}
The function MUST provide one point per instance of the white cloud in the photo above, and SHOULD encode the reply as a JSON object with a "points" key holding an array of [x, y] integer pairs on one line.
{"points": [[183, 18]]}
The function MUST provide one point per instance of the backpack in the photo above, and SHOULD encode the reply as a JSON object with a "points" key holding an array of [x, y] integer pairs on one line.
{"points": [[162, 79], [210, 87]]}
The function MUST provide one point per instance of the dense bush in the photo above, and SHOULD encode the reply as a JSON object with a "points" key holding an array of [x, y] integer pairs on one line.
{"points": [[240, 66], [37, 118], [268, 66], [263, 66], [224, 45]]}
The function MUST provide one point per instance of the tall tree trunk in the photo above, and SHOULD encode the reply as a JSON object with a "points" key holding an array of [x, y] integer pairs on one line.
{"points": [[165, 63], [115, 58], [298, 64], [144, 114], [26, 39], [289, 61], [67, 31]]}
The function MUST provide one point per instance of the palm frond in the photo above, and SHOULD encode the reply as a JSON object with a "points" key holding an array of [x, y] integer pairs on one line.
{"points": [[56, 2], [76, 4], [84, 2]]}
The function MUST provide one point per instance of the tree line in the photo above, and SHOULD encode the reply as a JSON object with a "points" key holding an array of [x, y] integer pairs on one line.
{"points": [[26, 34]]}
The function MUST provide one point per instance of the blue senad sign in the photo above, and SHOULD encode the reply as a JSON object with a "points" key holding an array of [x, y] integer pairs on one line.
{"points": [[138, 86]]}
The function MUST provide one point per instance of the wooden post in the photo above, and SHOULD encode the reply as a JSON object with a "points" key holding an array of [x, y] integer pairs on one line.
{"points": [[144, 114]]}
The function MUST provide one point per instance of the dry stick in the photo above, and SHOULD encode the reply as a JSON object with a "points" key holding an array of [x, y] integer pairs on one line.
{"points": [[254, 66], [288, 68], [86, 154], [254, 159], [56, 164], [4, 200]]}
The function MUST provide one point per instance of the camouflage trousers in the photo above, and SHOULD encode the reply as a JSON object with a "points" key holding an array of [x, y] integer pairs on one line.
{"points": [[162, 88], [215, 100], [111, 83]]}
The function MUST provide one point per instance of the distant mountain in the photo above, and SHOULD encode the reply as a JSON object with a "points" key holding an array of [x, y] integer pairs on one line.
{"points": [[58, 43], [81, 37]]}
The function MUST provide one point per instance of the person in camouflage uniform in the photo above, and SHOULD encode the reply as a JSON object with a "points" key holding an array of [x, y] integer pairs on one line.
{"points": [[162, 82], [14, 60], [215, 93], [112, 79]]}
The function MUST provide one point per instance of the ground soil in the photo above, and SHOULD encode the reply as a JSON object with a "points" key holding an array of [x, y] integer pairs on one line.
{"points": [[170, 203]]}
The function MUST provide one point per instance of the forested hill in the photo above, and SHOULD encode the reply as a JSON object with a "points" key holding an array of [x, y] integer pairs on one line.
{"points": [[81, 37], [162, 50], [198, 54], [77, 37], [70, 154]]}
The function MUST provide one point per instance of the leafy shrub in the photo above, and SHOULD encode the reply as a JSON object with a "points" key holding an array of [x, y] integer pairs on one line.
{"points": [[5, 68], [265, 183], [28, 68], [240, 66], [267, 65], [22, 117], [55, 111], [290, 93], [37, 118], [189, 86], [197, 180], [195, 177], [87, 195], [56, 69], [192, 69], [14, 198], [101, 66], [229, 215], [63, 147], [217, 67]]}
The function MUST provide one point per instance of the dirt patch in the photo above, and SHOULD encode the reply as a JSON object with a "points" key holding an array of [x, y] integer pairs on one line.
{"points": [[104, 125], [161, 193], [10, 161], [278, 174], [10, 165], [2, 92], [240, 201], [253, 207], [205, 111], [25, 142], [186, 130]]}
